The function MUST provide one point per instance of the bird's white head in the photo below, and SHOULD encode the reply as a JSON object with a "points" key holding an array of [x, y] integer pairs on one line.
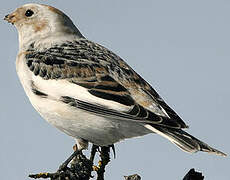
{"points": [[41, 22]]}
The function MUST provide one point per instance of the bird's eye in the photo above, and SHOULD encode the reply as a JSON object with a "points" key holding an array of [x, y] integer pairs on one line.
{"points": [[29, 13]]}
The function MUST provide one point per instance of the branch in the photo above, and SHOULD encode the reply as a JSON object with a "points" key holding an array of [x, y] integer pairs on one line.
{"points": [[133, 177], [193, 175], [81, 169]]}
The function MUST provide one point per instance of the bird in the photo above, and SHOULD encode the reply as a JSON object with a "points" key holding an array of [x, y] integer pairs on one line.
{"points": [[87, 91]]}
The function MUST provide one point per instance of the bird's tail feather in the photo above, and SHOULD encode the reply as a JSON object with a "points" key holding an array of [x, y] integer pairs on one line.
{"points": [[184, 140]]}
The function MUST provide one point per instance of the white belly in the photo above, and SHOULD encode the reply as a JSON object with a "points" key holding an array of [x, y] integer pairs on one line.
{"points": [[71, 120], [81, 124]]}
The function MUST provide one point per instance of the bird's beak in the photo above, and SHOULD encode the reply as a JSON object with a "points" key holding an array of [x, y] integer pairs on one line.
{"points": [[10, 18]]}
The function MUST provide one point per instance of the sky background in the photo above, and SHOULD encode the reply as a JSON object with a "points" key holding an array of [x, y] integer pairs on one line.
{"points": [[181, 47]]}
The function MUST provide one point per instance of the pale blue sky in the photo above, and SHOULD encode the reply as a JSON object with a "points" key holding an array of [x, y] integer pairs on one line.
{"points": [[181, 47]]}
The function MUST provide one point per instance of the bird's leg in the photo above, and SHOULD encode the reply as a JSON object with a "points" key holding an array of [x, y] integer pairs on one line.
{"points": [[102, 153], [94, 149], [74, 154], [105, 158], [75, 148], [113, 149], [93, 152]]}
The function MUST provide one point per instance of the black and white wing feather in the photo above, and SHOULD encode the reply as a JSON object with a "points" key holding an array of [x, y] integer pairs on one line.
{"points": [[105, 76]]}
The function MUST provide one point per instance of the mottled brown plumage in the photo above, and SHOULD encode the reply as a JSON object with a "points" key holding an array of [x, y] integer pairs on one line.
{"points": [[105, 75]]}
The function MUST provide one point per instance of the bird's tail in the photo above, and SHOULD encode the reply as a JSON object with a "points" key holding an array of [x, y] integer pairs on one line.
{"points": [[184, 140]]}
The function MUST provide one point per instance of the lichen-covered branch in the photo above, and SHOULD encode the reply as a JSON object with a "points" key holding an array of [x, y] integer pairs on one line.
{"points": [[82, 167], [133, 177]]}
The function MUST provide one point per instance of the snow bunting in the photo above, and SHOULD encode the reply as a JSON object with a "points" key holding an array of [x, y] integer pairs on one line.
{"points": [[84, 89]]}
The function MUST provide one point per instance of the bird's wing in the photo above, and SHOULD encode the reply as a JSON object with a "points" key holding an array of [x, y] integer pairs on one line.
{"points": [[105, 76]]}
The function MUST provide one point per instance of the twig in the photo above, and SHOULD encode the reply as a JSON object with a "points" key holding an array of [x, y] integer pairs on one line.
{"points": [[80, 169], [133, 177], [44, 175]]}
